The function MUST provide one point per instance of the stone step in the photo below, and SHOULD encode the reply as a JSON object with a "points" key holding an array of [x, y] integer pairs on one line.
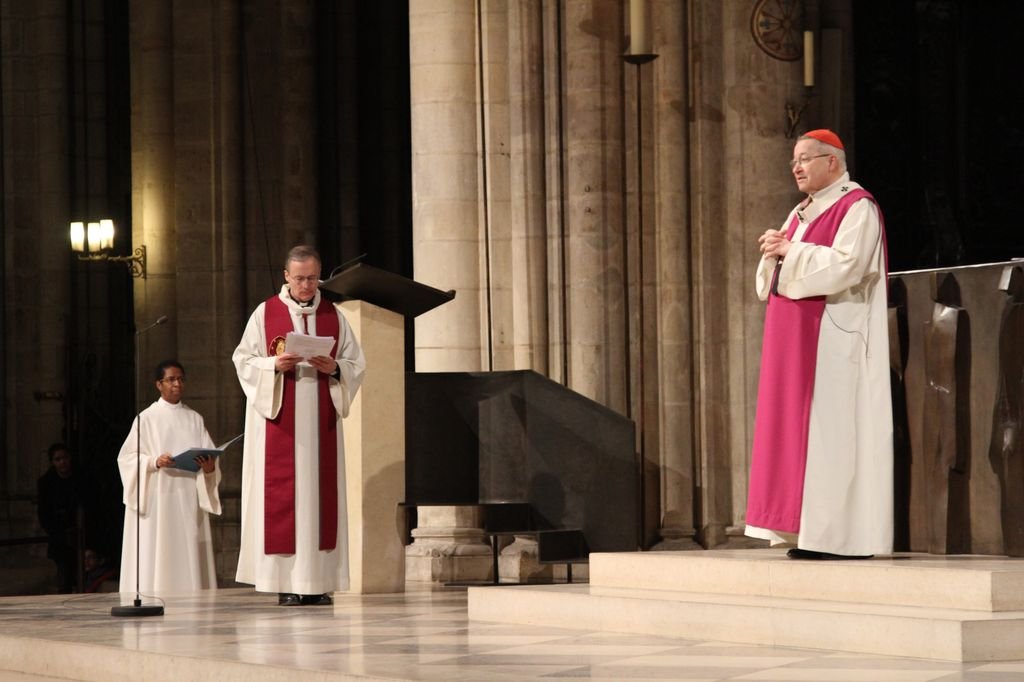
{"points": [[978, 583], [917, 631]]}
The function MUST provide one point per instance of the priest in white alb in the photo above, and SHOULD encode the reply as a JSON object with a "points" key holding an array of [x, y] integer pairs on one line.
{"points": [[294, 524], [821, 473], [175, 552]]}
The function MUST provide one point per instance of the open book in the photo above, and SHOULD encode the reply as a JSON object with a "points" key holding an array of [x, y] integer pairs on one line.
{"points": [[187, 460]]}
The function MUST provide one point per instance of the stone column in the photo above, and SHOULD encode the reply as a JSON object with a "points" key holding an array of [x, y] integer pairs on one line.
{"points": [[595, 267], [554, 134], [449, 248], [187, 202], [297, 124], [670, 279], [710, 254], [36, 253], [447, 210], [741, 186], [498, 238], [153, 168], [528, 224], [526, 268]]}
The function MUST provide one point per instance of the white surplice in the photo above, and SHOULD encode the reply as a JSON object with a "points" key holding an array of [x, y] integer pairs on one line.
{"points": [[310, 570], [848, 483], [175, 549]]}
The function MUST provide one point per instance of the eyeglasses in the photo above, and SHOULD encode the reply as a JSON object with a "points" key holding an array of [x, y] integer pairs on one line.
{"points": [[173, 380], [305, 280], [804, 160]]}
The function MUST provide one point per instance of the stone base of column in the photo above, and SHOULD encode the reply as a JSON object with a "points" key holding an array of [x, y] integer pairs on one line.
{"points": [[676, 540], [518, 563], [449, 545]]}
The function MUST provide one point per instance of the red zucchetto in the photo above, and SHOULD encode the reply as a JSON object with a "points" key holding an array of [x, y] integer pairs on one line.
{"points": [[825, 135]]}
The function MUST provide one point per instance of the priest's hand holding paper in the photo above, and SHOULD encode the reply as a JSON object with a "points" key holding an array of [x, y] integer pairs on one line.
{"points": [[324, 364], [286, 362], [164, 460], [313, 349]]}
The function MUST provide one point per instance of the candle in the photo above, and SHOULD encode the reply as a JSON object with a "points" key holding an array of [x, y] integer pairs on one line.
{"points": [[639, 38], [93, 236], [809, 59], [78, 236], [106, 234]]}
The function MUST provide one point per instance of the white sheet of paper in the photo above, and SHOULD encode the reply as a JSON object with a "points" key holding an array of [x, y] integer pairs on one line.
{"points": [[308, 346]]}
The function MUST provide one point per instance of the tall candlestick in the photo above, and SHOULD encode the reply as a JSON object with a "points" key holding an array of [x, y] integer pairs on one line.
{"points": [[809, 59]]}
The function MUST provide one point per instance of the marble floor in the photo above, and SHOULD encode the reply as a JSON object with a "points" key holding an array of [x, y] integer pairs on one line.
{"points": [[236, 634]]}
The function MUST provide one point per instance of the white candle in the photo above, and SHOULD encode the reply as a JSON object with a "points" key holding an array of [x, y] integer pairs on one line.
{"points": [[809, 59], [639, 38], [106, 234], [93, 237], [78, 236]]}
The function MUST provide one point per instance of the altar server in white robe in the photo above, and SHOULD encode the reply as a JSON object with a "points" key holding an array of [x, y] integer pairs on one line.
{"points": [[175, 552], [294, 526]]}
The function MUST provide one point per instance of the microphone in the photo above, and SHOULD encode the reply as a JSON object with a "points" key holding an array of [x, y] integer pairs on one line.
{"points": [[137, 609], [161, 320], [345, 265]]}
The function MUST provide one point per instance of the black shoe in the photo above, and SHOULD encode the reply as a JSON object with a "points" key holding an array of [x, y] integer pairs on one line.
{"points": [[317, 600], [797, 553], [288, 599]]}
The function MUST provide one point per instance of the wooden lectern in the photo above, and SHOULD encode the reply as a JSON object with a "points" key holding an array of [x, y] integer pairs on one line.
{"points": [[376, 303]]}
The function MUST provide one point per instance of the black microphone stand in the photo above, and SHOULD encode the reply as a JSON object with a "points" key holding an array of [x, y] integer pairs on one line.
{"points": [[137, 610]]}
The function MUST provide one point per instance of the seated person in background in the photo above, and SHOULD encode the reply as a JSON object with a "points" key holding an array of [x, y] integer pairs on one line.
{"points": [[97, 571], [60, 501], [175, 552]]}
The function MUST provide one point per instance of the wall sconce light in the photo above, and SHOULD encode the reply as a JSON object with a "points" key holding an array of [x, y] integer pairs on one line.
{"points": [[794, 112], [92, 241]]}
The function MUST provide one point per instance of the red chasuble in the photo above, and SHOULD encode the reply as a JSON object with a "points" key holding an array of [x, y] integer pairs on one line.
{"points": [[279, 476], [789, 357]]}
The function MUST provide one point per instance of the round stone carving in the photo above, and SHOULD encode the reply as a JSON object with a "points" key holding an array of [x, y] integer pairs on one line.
{"points": [[776, 25]]}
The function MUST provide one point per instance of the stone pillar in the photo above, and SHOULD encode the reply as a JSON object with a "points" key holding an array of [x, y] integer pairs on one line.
{"points": [[710, 253], [187, 210], [297, 124], [595, 267], [35, 252], [498, 234], [741, 186], [449, 248], [153, 170], [446, 183], [522, 326], [554, 135], [529, 264], [669, 281]]}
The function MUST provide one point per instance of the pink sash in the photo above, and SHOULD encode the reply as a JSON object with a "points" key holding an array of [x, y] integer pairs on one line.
{"points": [[279, 472], [789, 357]]}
